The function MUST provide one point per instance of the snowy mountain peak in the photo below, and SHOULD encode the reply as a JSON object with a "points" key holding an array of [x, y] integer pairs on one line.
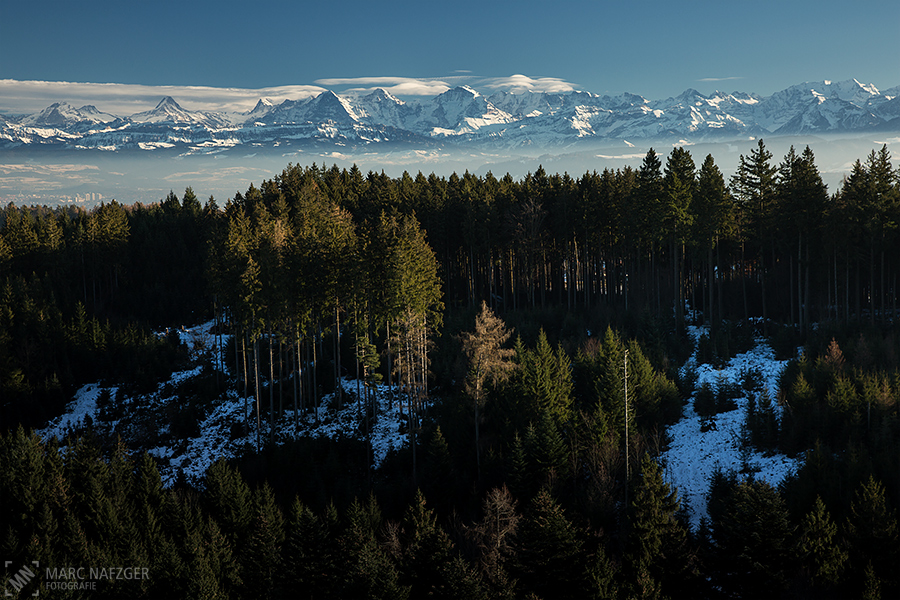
{"points": [[461, 92], [168, 103], [63, 115], [329, 106], [262, 106], [691, 93], [169, 111], [382, 95]]}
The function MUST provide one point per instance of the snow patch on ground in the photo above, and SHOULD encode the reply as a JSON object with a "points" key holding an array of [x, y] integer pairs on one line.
{"points": [[693, 456], [83, 405]]}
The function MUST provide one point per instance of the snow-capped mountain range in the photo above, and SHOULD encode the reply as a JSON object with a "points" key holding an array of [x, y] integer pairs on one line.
{"points": [[462, 116]]}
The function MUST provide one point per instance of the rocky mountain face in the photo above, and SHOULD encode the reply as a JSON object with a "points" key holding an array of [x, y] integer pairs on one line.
{"points": [[462, 116]]}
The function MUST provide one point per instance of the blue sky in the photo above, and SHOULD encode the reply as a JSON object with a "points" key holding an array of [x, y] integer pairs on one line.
{"points": [[655, 49]]}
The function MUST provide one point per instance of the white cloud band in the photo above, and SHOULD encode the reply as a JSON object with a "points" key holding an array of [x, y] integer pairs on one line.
{"points": [[25, 97], [124, 99]]}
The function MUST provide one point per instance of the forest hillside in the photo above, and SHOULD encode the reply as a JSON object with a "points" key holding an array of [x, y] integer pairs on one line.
{"points": [[645, 382]]}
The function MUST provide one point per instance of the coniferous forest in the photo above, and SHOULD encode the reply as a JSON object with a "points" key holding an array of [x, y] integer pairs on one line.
{"points": [[500, 313]]}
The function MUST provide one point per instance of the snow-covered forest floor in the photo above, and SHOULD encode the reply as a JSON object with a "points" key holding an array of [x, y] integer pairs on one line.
{"points": [[693, 455], [217, 436]]}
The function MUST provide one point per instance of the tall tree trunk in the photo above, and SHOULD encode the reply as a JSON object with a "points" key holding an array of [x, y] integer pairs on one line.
{"points": [[256, 380], [297, 377], [338, 386], [762, 280], [244, 354], [881, 293], [872, 304], [711, 284], [315, 384], [744, 284], [280, 376], [720, 282], [271, 382], [806, 300], [390, 369]]}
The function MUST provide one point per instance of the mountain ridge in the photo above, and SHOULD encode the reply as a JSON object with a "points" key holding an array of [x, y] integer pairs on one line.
{"points": [[464, 116]]}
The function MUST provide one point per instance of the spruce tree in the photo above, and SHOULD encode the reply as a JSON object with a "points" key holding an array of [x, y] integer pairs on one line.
{"points": [[821, 554], [657, 540], [713, 214], [261, 554], [549, 557], [873, 531], [370, 571], [753, 536], [429, 563], [309, 556]]}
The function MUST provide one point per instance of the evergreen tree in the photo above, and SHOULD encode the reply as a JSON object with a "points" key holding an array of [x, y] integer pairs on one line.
{"points": [[754, 187], [229, 501], [713, 214], [657, 540], [821, 555], [260, 557], [680, 186], [371, 573], [753, 535], [429, 562], [873, 532], [549, 555], [309, 556], [544, 382]]}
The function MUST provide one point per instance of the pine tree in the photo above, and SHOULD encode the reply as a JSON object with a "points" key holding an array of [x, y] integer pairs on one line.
{"points": [[230, 502], [544, 382], [677, 218], [802, 198], [754, 188], [601, 576], [549, 453]]}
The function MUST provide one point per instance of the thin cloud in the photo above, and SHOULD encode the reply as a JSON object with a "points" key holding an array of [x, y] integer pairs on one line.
{"points": [[518, 84], [399, 86], [714, 79], [126, 99], [408, 86], [26, 97]]}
